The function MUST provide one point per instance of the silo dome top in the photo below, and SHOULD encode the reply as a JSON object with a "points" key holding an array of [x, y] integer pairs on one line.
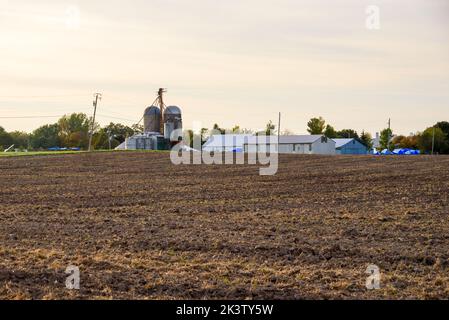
{"points": [[172, 110], [152, 111]]}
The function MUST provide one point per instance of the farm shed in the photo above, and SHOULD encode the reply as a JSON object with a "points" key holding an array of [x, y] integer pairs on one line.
{"points": [[302, 144], [349, 146], [225, 143]]}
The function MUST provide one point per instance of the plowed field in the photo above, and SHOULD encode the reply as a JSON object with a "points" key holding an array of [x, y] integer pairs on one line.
{"points": [[139, 227]]}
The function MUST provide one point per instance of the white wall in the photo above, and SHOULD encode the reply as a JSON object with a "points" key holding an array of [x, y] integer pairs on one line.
{"points": [[219, 149], [298, 148], [252, 148], [319, 147], [285, 148]]}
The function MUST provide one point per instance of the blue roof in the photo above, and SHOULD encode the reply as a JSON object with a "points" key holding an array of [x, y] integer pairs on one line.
{"points": [[341, 142]]}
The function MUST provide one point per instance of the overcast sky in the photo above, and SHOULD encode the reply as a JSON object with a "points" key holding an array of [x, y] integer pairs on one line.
{"points": [[231, 62]]}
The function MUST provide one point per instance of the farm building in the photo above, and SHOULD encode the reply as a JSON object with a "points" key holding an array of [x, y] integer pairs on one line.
{"points": [[162, 128], [302, 144], [349, 146], [226, 143]]}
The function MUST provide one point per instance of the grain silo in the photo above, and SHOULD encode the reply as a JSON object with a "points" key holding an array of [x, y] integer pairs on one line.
{"points": [[152, 119], [172, 122], [159, 123]]}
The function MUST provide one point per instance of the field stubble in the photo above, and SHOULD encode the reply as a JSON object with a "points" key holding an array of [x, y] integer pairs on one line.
{"points": [[139, 227]]}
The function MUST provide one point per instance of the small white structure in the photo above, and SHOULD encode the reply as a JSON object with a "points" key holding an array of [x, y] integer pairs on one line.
{"points": [[142, 141], [226, 143], [376, 141], [299, 144]]}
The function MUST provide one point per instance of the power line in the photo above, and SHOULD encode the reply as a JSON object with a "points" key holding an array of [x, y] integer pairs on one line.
{"points": [[29, 117], [60, 116], [49, 96], [118, 118]]}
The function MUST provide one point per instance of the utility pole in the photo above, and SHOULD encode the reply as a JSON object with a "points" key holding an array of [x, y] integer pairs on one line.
{"points": [[279, 126], [433, 140], [97, 97], [110, 135], [279, 133], [160, 98], [389, 129]]}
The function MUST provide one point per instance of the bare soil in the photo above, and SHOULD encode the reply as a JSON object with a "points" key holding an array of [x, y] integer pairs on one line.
{"points": [[139, 227]]}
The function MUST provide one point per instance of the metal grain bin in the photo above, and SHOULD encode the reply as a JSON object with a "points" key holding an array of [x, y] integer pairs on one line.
{"points": [[172, 120], [152, 119]]}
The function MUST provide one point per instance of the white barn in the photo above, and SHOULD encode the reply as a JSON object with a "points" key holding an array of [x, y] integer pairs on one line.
{"points": [[298, 144], [226, 143]]}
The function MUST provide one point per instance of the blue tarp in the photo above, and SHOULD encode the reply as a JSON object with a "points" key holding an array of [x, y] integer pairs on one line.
{"points": [[406, 151], [398, 151]]}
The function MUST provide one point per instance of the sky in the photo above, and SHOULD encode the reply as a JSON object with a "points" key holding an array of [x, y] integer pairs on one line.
{"points": [[235, 62]]}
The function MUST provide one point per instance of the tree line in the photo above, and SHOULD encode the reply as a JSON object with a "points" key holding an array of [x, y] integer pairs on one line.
{"points": [[73, 131], [70, 131], [435, 138]]}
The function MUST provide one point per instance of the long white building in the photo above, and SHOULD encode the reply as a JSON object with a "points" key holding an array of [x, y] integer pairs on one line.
{"points": [[226, 143], [298, 144]]}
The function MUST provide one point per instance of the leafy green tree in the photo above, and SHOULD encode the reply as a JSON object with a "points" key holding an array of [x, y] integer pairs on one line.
{"points": [[217, 128], [5, 139], [74, 130], [137, 128], [316, 125], [236, 129], [269, 128], [103, 139], [385, 137], [367, 140], [21, 140], [348, 133], [330, 132], [432, 134], [203, 134], [410, 142], [45, 137], [444, 126], [118, 131]]}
